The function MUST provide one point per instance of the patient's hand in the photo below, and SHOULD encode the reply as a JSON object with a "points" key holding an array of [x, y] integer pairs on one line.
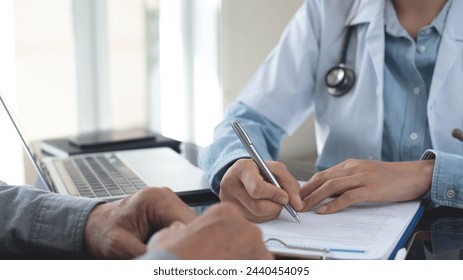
{"points": [[220, 233], [119, 229]]}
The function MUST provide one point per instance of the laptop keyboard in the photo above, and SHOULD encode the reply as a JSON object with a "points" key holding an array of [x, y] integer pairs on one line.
{"points": [[100, 176]]}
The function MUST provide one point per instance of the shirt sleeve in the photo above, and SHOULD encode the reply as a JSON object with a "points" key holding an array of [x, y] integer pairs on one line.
{"points": [[39, 223], [447, 179], [227, 148]]}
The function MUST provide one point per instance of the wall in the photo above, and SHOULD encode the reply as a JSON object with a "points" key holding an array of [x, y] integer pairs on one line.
{"points": [[250, 30]]}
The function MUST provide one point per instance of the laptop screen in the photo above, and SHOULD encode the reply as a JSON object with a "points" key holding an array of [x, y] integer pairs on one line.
{"points": [[11, 129]]}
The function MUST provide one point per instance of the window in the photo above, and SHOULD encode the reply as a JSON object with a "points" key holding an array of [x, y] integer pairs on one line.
{"points": [[73, 66], [37, 73], [11, 166], [158, 66], [189, 98]]}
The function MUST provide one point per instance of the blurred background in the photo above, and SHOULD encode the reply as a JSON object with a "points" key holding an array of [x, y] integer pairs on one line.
{"points": [[174, 66]]}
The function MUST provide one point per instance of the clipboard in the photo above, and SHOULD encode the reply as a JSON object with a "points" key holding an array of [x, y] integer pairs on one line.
{"points": [[300, 252], [408, 232], [338, 236]]}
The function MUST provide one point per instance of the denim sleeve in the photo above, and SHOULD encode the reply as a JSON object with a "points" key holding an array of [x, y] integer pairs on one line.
{"points": [[227, 148], [39, 223], [447, 179]]}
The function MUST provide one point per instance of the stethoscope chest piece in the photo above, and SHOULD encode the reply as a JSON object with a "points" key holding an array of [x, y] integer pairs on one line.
{"points": [[339, 80]]}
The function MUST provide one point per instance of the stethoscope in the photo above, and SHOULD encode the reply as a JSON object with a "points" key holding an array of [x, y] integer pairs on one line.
{"points": [[458, 134], [340, 79]]}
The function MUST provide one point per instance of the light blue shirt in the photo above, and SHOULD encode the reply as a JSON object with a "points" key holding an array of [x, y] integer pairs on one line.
{"points": [[408, 141], [408, 70]]}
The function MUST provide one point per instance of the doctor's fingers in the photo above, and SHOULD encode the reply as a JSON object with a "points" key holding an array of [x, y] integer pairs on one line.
{"points": [[245, 186], [245, 173], [345, 200], [256, 210], [337, 186], [287, 182], [367, 192], [320, 178]]}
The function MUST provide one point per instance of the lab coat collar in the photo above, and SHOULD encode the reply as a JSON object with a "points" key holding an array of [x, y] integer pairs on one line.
{"points": [[364, 11], [454, 16], [448, 51]]}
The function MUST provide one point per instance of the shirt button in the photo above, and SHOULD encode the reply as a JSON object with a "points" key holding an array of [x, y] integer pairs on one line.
{"points": [[421, 49], [450, 193], [416, 91], [413, 136], [449, 229]]}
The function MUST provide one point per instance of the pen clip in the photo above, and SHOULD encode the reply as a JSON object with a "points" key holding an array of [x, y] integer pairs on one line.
{"points": [[247, 143], [239, 130]]}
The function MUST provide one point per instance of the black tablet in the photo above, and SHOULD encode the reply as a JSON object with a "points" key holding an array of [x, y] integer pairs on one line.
{"points": [[112, 137]]}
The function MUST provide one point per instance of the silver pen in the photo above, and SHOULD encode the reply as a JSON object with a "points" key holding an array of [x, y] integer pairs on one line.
{"points": [[244, 138]]}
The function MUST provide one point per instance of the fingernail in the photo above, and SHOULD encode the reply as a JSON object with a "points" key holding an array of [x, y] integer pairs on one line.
{"points": [[322, 209], [177, 225], [297, 200]]}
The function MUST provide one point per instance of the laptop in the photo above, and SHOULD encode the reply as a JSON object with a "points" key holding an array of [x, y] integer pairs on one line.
{"points": [[114, 175]]}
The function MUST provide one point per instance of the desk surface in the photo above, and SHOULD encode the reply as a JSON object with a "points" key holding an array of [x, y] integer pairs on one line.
{"points": [[438, 235]]}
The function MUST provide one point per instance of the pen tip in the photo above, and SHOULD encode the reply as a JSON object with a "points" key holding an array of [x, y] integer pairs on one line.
{"points": [[296, 216]]}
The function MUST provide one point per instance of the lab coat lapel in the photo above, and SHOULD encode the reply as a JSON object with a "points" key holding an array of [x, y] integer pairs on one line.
{"points": [[445, 97], [371, 12], [447, 54]]}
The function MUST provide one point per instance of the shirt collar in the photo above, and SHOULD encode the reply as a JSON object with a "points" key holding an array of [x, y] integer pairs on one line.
{"points": [[364, 11], [393, 26], [441, 19]]}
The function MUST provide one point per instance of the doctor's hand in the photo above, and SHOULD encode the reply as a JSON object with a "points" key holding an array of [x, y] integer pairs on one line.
{"points": [[221, 233], [118, 230], [354, 181], [258, 199]]}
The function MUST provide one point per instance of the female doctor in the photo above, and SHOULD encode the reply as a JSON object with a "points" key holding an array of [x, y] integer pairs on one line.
{"points": [[385, 82]]}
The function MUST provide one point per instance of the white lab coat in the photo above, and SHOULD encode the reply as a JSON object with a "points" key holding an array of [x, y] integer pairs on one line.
{"points": [[290, 83]]}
